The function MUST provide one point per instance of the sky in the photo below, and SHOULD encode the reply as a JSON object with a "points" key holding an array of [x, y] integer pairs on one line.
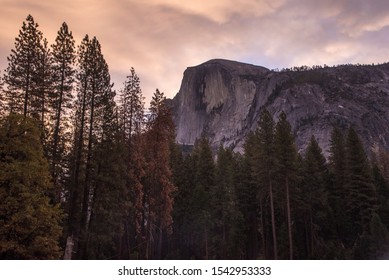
{"points": [[161, 38]]}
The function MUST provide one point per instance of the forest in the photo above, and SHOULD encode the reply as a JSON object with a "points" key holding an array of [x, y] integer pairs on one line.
{"points": [[90, 173]]}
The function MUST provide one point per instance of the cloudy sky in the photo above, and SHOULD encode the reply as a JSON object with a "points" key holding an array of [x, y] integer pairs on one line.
{"points": [[160, 38]]}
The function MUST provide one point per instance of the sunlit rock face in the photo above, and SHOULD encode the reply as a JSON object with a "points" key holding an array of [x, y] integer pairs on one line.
{"points": [[222, 100]]}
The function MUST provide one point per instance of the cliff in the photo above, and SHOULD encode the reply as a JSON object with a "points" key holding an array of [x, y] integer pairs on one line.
{"points": [[222, 100]]}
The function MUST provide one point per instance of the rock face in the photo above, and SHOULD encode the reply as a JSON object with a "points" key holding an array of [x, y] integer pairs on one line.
{"points": [[222, 100]]}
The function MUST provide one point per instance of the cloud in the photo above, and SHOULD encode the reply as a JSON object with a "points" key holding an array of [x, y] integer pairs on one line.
{"points": [[160, 38]]}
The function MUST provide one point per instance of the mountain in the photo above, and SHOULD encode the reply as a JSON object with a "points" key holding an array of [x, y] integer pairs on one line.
{"points": [[222, 100]]}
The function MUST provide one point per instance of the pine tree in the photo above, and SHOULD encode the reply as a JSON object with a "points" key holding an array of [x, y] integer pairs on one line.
{"points": [[183, 178], [109, 203], [95, 97], [44, 87], [158, 183], [131, 116], [361, 194], [265, 165], [74, 187], [337, 191], [22, 73], [247, 197], [30, 224], [314, 199], [286, 157], [225, 212], [203, 183], [61, 103], [131, 105]]}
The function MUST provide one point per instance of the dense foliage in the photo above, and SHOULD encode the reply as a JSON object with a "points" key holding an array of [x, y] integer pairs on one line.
{"points": [[87, 174]]}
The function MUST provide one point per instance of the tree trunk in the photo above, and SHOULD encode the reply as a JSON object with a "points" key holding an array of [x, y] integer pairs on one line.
{"points": [[74, 196], [87, 186], [56, 134], [27, 91], [273, 223], [289, 219]]}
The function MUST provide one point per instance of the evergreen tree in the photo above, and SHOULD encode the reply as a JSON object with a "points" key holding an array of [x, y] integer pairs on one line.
{"points": [[131, 105], [30, 225], [286, 158], [74, 187], [314, 203], [247, 197], [361, 194], [265, 167], [44, 87], [22, 73], [131, 115], [228, 219], [158, 180], [337, 190], [109, 203], [203, 183], [61, 103], [183, 169], [94, 101]]}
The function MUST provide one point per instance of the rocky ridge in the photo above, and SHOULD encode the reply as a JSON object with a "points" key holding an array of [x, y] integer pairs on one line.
{"points": [[222, 100]]}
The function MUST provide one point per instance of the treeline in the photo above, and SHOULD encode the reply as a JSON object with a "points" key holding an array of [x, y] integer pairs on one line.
{"points": [[304, 68], [273, 203], [85, 173]]}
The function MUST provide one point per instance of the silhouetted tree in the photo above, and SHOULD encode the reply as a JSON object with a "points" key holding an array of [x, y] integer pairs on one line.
{"points": [[22, 73]]}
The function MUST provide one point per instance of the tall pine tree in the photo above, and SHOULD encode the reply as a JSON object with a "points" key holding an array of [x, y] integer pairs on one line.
{"points": [[131, 116], [265, 166], [314, 199], [158, 181], [22, 74], [286, 157], [361, 195], [61, 104]]}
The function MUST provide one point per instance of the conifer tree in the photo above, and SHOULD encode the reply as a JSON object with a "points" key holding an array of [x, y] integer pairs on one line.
{"points": [[78, 147], [225, 211], [22, 73], [109, 200], [286, 157], [203, 183], [44, 86], [361, 195], [61, 102], [94, 100], [158, 182], [183, 178], [265, 166], [337, 190], [131, 105], [131, 115], [247, 197], [30, 224], [314, 198]]}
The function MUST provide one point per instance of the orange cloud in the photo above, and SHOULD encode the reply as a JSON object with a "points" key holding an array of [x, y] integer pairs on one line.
{"points": [[160, 38]]}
